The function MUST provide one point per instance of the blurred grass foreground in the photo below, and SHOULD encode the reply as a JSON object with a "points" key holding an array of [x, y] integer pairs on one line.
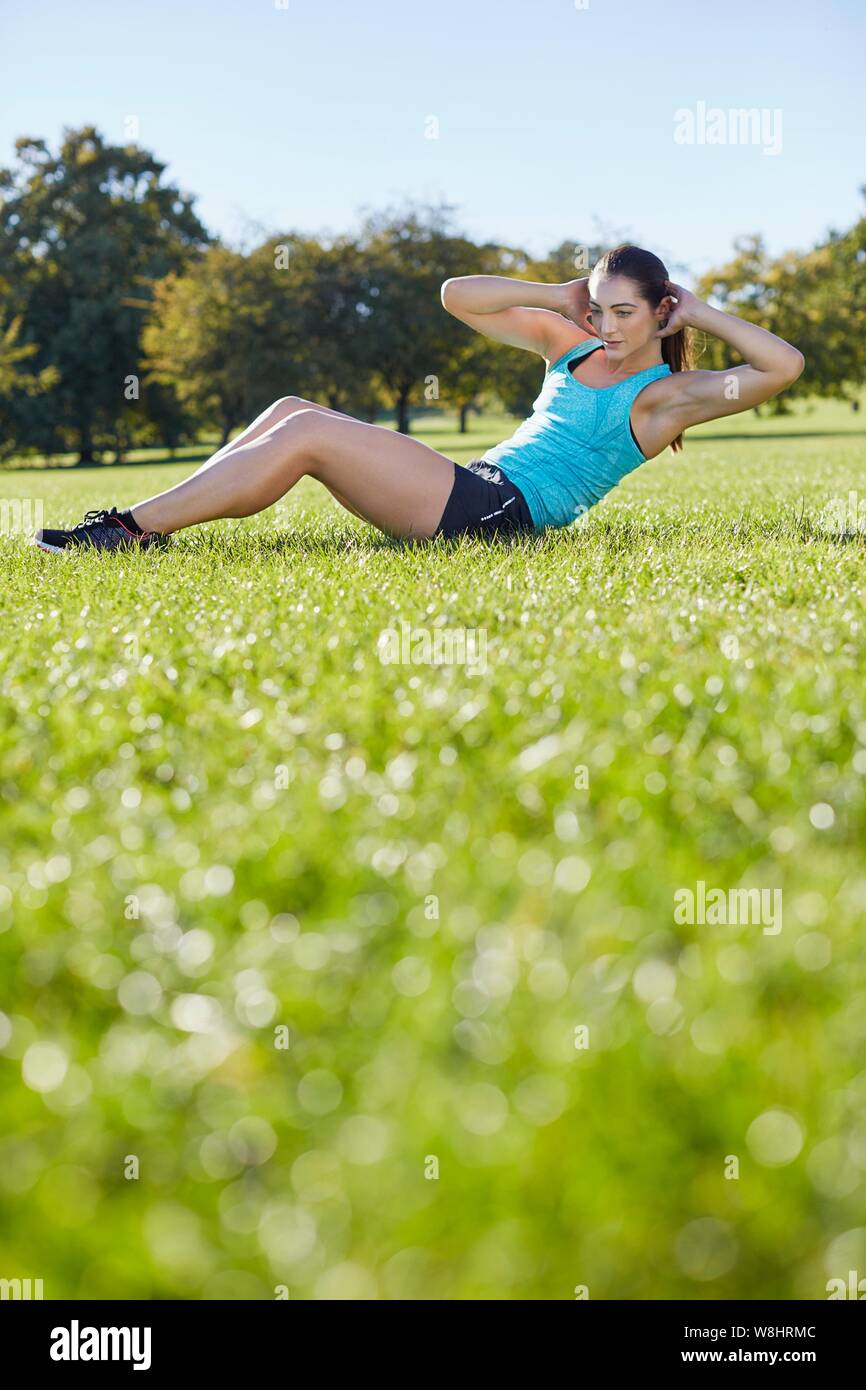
{"points": [[332, 977]]}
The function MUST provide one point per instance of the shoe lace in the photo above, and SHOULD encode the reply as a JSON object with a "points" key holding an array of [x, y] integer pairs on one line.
{"points": [[90, 518]]}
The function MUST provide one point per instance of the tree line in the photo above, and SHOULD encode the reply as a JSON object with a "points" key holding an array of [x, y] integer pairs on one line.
{"points": [[124, 322]]}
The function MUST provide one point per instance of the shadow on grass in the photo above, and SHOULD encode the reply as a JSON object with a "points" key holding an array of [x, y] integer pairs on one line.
{"points": [[767, 436], [616, 534], [32, 464], [338, 544]]}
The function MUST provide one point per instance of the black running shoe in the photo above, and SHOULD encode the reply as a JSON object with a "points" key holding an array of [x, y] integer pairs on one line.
{"points": [[103, 530]]}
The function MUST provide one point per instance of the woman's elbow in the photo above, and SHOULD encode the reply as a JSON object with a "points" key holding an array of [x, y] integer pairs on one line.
{"points": [[797, 363], [446, 292]]}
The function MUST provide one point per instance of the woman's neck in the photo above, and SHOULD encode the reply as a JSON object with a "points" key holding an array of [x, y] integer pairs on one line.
{"points": [[640, 360]]}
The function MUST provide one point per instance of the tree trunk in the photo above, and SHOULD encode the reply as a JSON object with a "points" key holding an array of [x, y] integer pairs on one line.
{"points": [[86, 451], [85, 445], [464, 411], [403, 412], [227, 429]]}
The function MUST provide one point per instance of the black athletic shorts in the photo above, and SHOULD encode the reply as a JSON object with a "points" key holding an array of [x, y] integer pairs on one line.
{"points": [[484, 503]]}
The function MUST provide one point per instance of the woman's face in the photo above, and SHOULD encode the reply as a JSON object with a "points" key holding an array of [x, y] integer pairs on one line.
{"points": [[622, 319]]}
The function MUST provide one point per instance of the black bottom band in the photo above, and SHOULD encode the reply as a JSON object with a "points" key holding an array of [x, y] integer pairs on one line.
{"points": [[483, 502]]}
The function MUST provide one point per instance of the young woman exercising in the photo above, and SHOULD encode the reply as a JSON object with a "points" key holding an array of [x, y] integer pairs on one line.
{"points": [[618, 389]]}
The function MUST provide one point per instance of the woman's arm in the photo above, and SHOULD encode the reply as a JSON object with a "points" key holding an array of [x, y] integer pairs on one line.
{"points": [[772, 364], [487, 294], [524, 313]]}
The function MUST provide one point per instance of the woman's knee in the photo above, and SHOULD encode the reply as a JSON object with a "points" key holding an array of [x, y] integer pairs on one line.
{"points": [[303, 431], [286, 405]]}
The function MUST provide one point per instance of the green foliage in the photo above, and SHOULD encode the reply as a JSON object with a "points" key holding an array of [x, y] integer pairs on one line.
{"points": [[84, 234], [15, 379], [224, 815], [816, 300], [204, 341]]}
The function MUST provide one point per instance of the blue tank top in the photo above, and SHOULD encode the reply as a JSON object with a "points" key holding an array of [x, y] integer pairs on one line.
{"points": [[577, 444]]}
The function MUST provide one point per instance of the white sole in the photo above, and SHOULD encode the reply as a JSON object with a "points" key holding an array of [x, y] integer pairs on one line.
{"points": [[61, 549]]}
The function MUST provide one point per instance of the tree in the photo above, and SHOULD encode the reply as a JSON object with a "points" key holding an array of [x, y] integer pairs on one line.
{"points": [[475, 369], [321, 289], [84, 234], [15, 380], [406, 333], [237, 331], [815, 300], [828, 287], [202, 336]]}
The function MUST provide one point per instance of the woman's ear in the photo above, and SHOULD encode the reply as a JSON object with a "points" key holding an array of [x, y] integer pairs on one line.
{"points": [[663, 310]]}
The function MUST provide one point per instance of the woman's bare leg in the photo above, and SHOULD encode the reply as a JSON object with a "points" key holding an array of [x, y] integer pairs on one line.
{"points": [[289, 404], [279, 410], [263, 422], [397, 483]]}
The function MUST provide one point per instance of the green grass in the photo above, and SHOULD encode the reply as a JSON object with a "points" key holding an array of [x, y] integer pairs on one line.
{"points": [[224, 815]]}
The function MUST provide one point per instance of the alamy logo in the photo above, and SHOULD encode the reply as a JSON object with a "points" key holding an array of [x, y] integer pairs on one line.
{"points": [[844, 516], [439, 646], [855, 1288], [736, 907], [713, 125], [75, 1343], [20, 515], [21, 1288]]}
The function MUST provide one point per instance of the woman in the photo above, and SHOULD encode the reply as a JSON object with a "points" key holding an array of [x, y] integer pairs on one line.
{"points": [[618, 389]]}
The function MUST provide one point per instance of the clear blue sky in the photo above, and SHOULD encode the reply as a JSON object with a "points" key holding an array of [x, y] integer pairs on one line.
{"points": [[555, 123]]}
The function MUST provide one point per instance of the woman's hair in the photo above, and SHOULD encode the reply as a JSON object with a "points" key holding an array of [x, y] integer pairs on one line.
{"points": [[650, 275]]}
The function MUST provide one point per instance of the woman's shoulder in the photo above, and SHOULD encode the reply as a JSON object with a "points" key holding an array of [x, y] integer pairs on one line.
{"points": [[671, 386], [567, 339], [656, 413]]}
